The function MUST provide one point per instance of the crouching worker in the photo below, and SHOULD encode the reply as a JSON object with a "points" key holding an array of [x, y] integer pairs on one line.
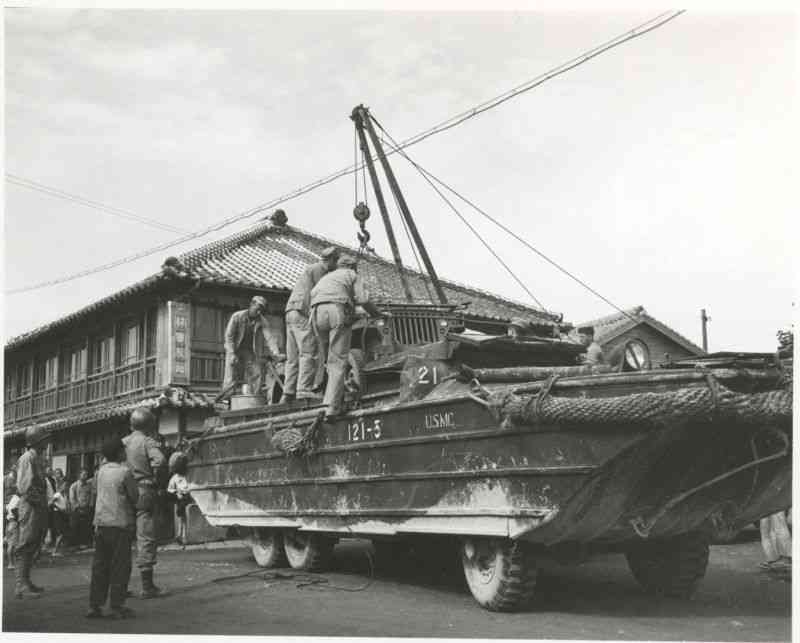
{"points": [[115, 529]]}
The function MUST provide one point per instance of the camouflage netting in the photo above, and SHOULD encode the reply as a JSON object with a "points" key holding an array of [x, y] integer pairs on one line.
{"points": [[653, 409]]}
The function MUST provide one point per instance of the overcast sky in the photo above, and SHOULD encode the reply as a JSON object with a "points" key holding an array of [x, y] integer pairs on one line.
{"points": [[659, 172]]}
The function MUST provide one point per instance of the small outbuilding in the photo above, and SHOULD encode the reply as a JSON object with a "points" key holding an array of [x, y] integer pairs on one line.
{"points": [[652, 341]]}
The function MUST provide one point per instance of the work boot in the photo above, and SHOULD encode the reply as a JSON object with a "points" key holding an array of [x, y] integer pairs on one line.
{"points": [[23, 586], [94, 612], [286, 398], [149, 590]]}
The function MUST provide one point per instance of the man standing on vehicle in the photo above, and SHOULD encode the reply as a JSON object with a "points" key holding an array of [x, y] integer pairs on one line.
{"points": [[333, 302], [145, 460], [250, 342], [32, 510], [302, 348], [594, 352]]}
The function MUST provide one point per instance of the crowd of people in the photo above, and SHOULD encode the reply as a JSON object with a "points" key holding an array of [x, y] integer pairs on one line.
{"points": [[69, 511], [110, 511]]}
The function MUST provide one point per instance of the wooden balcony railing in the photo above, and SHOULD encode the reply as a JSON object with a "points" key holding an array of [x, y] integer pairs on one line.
{"points": [[123, 382], [44, 402]]}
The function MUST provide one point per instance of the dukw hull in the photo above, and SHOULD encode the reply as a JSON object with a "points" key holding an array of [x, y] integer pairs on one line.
{"points": [[447, 465]]}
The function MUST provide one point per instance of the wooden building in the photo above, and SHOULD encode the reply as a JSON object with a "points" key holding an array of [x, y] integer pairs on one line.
{"points": [[656, 340], [159, 342]]}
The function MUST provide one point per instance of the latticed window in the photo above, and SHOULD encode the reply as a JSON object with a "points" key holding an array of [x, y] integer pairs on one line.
{"points": [[8, 386], [152, 328], [45, 374], [23, 379], [129, 350], [74, 364], [101, 354]]}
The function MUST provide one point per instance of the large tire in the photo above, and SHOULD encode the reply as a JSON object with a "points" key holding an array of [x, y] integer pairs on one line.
{"points": [[670, 567], [309, 552], [500, 573], [267, 547]]}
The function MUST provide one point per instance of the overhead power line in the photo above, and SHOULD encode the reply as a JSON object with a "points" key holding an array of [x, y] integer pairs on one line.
{"points": [[449, 203], [95, 205], [428, 176], [636, 32]]}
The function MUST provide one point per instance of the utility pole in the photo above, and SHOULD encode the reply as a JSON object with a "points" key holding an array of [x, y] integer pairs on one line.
{"points": [[704, 319]]}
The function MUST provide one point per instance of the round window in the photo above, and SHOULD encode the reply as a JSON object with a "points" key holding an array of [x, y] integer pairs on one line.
{"points": [[637, 355]]}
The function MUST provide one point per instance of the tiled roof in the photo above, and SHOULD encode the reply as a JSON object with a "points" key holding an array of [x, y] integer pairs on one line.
{"points": [[170, 397], [271, 256], [117, 297], [612, 326]]}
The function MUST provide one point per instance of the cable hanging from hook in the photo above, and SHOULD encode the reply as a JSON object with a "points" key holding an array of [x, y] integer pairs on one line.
{"points": [[361, 210]]}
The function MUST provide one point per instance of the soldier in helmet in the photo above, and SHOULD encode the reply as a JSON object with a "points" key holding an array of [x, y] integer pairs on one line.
{"points": [[32, 508], [333, 301], [145, 460]]}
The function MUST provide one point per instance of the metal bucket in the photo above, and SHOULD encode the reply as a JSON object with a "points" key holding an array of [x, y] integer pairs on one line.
{"points": [[239, 402]]}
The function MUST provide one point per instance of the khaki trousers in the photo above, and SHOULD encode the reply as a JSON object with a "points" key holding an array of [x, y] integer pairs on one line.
{"points": [[146, 528], [302, 355], [334, 334], [32, 525]]}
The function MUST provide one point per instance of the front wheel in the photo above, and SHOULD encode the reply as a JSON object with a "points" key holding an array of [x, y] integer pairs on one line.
{"points": [[309, 552], [670, 567], [500, 573]]}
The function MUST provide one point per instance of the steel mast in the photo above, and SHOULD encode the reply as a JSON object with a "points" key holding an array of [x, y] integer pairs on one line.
{"points": [[363, 120]]}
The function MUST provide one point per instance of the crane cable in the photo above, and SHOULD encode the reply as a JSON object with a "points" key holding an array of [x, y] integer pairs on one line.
{"points": [[463, 220], [636, 32], [507, 230]]}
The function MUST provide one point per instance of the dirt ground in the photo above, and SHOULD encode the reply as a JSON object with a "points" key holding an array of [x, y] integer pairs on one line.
{"points": [[222, 591]]}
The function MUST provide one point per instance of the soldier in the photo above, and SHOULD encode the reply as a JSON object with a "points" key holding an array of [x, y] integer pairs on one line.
{"points": [[250, 341], [594, 352], [302, 348], [145, 460], [333, 301], [32, 521]]}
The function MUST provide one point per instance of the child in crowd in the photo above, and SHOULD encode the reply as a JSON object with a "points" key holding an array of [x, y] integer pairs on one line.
{"points": [[178, 487], [12, 527], [115, 529]]}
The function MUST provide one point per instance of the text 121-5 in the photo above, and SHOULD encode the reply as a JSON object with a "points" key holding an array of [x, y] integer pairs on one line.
{"points": [[361, 431]]}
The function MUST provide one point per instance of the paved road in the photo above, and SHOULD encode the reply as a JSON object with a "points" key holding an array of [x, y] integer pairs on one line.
{"points": [[598, 600]]}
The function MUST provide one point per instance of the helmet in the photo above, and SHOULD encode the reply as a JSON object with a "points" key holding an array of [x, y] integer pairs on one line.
{"points": [[34, 435]]}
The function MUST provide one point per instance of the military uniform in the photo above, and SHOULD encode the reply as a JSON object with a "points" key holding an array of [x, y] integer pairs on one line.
{"points": [[302, 348], [32, 517], [144, 460], [253, 341], [333, 301]]}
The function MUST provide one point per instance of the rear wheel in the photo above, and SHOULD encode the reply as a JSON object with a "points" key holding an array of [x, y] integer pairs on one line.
{"points": [[309, 552], [670, 567], [267, 547], [500, 573]]}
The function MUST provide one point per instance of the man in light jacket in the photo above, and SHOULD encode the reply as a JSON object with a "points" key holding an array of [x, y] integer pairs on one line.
{"points": [[250, 342], [333, 301], [302, 348]]}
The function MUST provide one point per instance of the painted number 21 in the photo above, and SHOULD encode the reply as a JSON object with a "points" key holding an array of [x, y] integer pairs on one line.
{"points": [[424, 372]]}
